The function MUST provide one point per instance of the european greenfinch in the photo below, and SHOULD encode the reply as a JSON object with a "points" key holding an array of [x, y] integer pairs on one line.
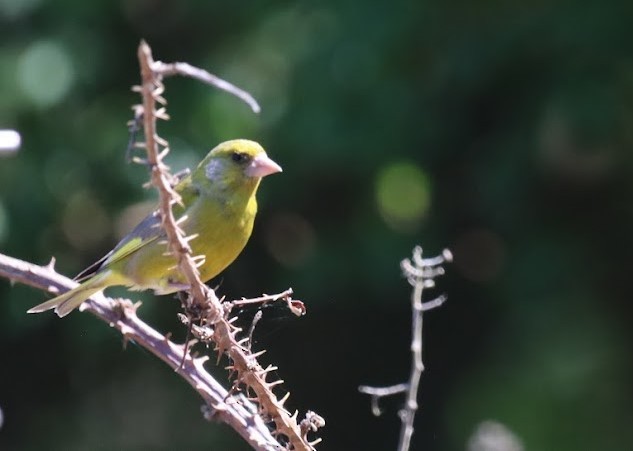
{"points": [[218, 200]]}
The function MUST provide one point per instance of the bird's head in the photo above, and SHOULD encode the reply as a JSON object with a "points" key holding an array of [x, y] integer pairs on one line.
{"points": [[236, 165]]}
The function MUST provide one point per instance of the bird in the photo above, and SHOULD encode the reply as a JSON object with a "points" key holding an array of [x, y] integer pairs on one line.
{"points": [[218, 210]]}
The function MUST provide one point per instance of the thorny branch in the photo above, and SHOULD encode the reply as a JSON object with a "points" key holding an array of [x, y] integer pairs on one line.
{"points": [[237, 412], [250, 417], [203, 305], [421, 274]]}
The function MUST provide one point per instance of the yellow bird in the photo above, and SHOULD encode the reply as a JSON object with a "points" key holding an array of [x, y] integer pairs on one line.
{"points": [[219, 201]]}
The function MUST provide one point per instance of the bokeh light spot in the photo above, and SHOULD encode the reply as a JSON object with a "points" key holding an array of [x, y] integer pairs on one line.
{"points": [[290, 239], [45, 73], [10, 142], [491, 435], [403, 195], [13, 9]]}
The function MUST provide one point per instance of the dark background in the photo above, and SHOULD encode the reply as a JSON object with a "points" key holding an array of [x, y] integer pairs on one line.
{"points": [[503, 130]]}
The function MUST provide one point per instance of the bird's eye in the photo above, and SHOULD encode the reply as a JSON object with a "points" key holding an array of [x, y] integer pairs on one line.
{"points": [[239, 157]]}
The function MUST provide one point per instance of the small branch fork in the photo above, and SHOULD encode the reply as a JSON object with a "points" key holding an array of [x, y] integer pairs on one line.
{"points": [[420, 273], [203, 305], [295, 306]]}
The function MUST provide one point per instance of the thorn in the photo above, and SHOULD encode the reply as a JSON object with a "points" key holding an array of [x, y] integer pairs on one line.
{"points": [[182, 219], [51, 264], [256, 355], [283, 400], [235, 331], [158, 89], [163, 153], [192, 237], [275, 383], [160, 112], [268, 369], [202, 360]]}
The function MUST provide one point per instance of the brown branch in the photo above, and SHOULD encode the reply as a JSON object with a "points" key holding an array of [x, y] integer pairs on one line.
{"points": [[295, 306], [202, 299], [421, 274], [235, 411], [202, 75]]}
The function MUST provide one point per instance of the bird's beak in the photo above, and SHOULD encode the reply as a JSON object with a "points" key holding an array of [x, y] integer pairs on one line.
{"points": [[261, 166]]}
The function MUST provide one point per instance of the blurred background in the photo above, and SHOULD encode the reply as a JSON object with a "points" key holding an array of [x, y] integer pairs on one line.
{"points": [[502, 130]]}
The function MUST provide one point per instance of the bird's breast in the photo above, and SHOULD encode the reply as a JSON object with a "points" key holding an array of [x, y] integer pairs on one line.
{"points": [[223, 230]]}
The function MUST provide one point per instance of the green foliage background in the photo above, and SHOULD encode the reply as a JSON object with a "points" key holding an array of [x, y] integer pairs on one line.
{"points": [[503, 130]]}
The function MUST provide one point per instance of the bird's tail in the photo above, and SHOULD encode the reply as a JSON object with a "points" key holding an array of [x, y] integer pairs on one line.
{"points": [[69, 301]]}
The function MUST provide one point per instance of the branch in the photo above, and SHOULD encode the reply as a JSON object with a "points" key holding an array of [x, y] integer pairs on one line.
{"points": [[202, 300], [420, 272], [187, 70], [235, 411]]}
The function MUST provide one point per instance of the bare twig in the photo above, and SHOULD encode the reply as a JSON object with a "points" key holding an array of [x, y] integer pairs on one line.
{"points": [[295, 306], [420, 272], [380, 392], [202, 75], [202, 299], [237, 412]]}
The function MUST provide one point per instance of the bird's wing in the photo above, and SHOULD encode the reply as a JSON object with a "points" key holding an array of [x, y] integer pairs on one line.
{"points": [[145, 232]]}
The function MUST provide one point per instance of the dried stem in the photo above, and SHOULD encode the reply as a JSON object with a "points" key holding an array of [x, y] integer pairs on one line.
{"points": [[295, 306], [420, 272], [202, 75], [249, 372], [237, 412]]}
